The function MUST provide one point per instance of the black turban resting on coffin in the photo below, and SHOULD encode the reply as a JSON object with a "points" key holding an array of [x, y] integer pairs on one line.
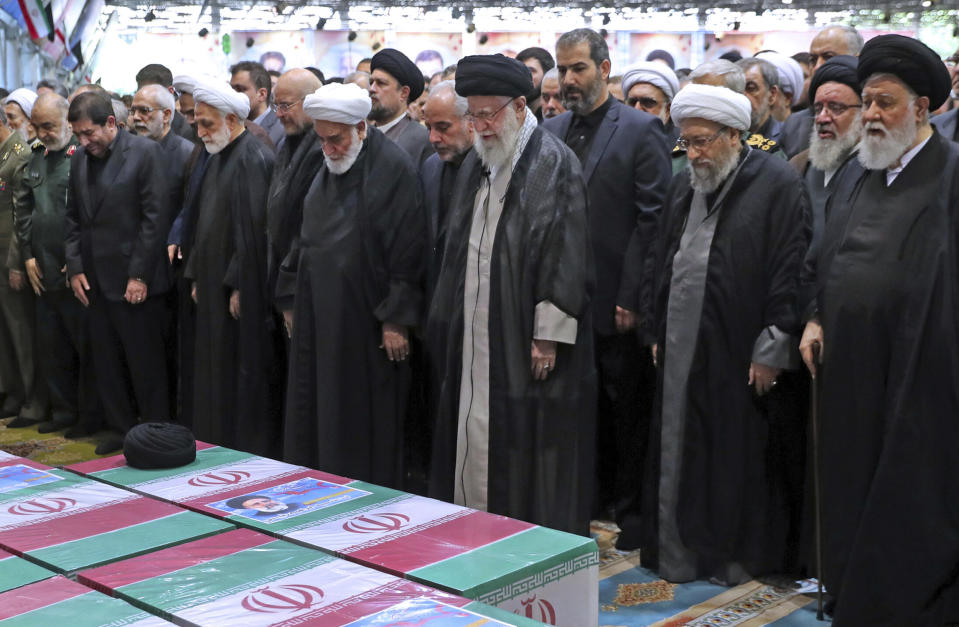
{"points": [[838, 69], [492, 75], [159, 445], [399, 66], [912, 61]]}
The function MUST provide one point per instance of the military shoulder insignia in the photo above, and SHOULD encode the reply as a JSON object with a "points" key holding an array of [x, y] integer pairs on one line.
{"points": [[678, 151], [72, 149], [18, 148], [761, 143]]}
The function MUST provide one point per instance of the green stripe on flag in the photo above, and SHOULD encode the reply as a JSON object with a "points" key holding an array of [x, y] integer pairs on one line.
{"points": [[87, 610], [130, 541], [223, 576], [16, 572], [489, 567], [127, 476], [501, 615]]}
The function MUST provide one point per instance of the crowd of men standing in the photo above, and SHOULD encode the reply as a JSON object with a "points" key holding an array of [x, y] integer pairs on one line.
{"points": [[540, 301]]}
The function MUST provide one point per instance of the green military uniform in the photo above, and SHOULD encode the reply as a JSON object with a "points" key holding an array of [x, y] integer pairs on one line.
{"points": [[18, 376]]}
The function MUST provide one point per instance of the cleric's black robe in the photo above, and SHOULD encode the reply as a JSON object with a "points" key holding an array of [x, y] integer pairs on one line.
{"points": [[234, 403], [541, 433], [358, 263], [888, 301], [729, 507]]}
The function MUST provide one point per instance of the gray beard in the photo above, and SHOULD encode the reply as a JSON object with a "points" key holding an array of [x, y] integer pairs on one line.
{"points": [[883, 153], [22, 132], [498, 151], [708, 179], [343, 165], [62, 141], [828, 154]]}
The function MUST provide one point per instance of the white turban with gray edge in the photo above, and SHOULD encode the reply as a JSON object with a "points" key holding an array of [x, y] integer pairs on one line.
{"points": [[791, 78], [220, 96], [23, 97], [652, 72], [717, 104], [344, 103]]}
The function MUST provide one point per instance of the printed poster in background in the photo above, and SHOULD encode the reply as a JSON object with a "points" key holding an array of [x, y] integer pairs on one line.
{"points": [[276, 50], [510, 44], [431, 52], [288, 500], [676, 44]]}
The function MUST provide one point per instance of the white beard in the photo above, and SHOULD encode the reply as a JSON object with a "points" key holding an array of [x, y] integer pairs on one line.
{"points": [[880, 153], [22, 132], [344, 163], [708, 178], [218, 141], [61, 142], [498, 151], [828, 154]]}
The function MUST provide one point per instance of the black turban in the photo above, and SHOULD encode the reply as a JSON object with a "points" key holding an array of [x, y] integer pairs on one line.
{"points": [[159, 445], [912, 61], [399, 66], [838, 69], [492, 75]]}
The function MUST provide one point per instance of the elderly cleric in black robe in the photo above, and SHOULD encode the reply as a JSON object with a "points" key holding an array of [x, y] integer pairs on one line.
{"points": [[516, 271], [887, 302], [728, 260], [357, 273]]}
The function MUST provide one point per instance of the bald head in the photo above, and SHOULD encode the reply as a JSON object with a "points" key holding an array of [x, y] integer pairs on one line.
{"points": [[291, 88], [49, 117], [833, 41]]}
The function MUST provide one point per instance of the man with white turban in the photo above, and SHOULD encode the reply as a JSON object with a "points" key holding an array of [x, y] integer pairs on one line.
{"points": [[351, 291], [18, 107], [728, 259], [650, 86], [791, 83], [234, 371]]}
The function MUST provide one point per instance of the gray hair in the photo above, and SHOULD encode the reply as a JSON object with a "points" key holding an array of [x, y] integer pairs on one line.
{"points": [[160, 95], [766, 69], [352, 76], [120, 111], [732, 75], [54, 85], [460, 105], [854, 40], [3, 117], [552, 75]]}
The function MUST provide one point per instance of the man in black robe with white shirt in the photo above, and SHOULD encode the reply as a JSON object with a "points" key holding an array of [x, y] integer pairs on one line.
{"points": [[509, 327]]}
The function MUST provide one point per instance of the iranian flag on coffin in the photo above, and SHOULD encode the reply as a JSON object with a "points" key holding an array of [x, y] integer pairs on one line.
{"points": [[247, 578], [67, 523], [532, 571], [16, 572], [61, 601]]}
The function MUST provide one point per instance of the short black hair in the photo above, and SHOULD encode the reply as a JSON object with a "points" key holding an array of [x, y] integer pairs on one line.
{"points": [[662, 55], [540, 54], [273, 54], [4, 92], [803, 58], [55, 85], [317, 73], [237, 501], [91, 105], [598, 50], [334, 79], [274, 73], [258, 75], [154, 74], [733, 55]]}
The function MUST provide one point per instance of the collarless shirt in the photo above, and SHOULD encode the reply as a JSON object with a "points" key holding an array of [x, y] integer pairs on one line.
{"points": [[583, 129]]}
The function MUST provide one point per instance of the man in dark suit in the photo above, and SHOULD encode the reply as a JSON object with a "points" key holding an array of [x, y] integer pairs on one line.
{"points": [[118, 215], [251, 79], [626, 165]]}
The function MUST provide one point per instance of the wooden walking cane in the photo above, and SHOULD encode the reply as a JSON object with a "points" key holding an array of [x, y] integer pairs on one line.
{"points": [[817, 485]]}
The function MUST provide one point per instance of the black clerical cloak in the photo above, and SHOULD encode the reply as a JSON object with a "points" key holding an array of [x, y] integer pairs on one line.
{"points": [[541, 433], [728, 508], [888, 301], [358, 263], [234, 403]]}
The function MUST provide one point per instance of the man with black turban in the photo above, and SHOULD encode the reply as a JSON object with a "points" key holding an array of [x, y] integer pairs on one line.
{"points": [[885, 320], [508, 331], [395, 82]]}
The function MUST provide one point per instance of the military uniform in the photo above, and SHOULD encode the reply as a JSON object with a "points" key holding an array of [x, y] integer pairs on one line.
{"points": [[754, 140], [60, 319], [18, 380]]}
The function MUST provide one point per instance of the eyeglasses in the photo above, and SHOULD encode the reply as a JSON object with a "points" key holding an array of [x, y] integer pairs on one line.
{"points": [[484, 116], [283, 107], [645, 102], [835, 108], [142, 110], [699, 143]]}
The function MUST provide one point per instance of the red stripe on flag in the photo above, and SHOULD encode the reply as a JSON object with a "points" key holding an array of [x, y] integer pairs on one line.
{"points": [[435, 544], [114, 576], [117, 461], [38, 595], [85, 524], [28, 20]]}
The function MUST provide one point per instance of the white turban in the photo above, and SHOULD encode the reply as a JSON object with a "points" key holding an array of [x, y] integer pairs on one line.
{"points": [[220, 96], [338, 102], [790, 73], [184, 83], [652, 72], [719, 104], [23, 97]]}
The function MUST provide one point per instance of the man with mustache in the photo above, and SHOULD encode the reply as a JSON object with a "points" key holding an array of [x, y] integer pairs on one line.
{"points": [[885, 325], [728, 260], [395, 82], [550, 95], [356, 294], [625, 159], [234, 363], [509, 330], [539, 61]]}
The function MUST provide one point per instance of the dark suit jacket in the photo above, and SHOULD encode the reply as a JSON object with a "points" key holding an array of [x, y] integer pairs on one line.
{"points": [[117, 227], [274, 128], [412, 137], [794, 136], [627, 173], [181, 127], [431, 179], [945, 123]]}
